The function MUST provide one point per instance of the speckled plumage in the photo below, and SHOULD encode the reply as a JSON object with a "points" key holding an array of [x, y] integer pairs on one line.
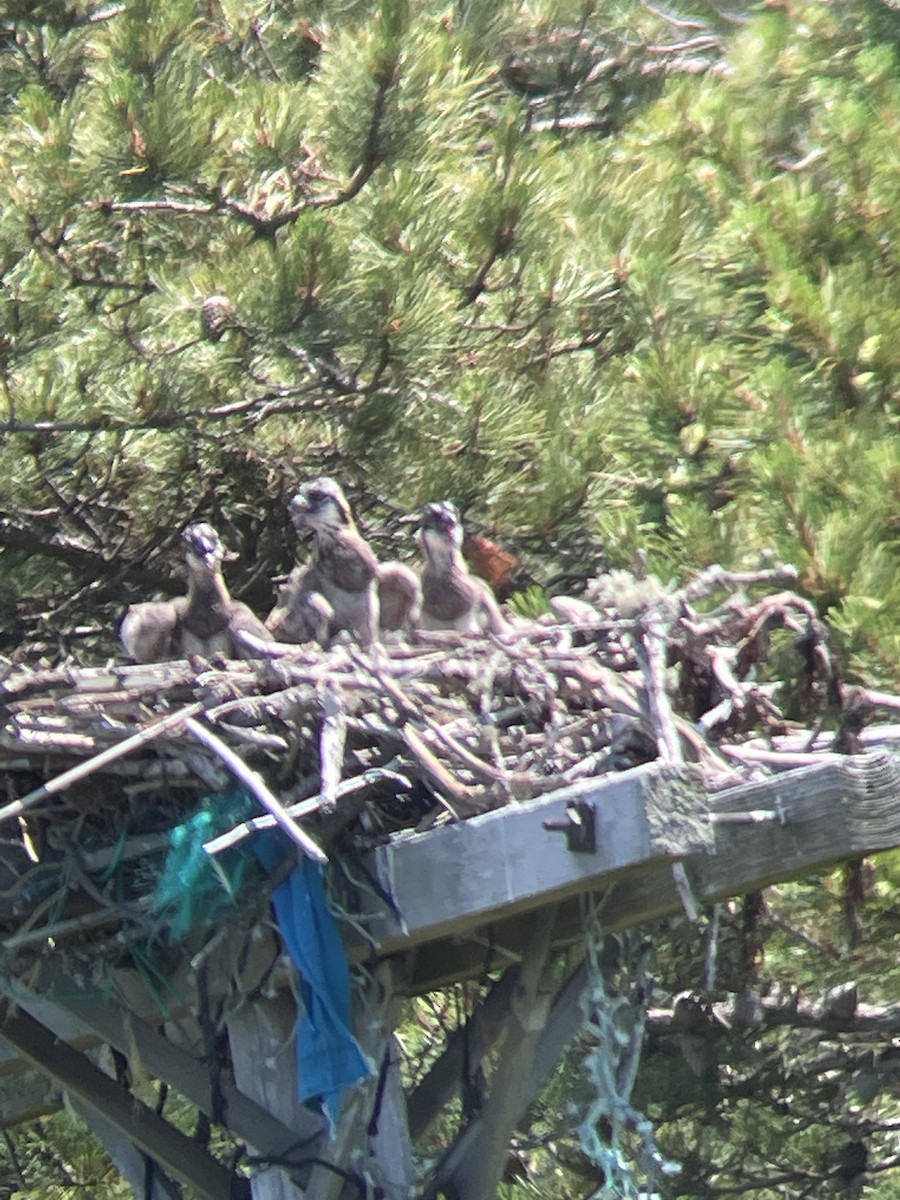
{"points": [[343, 587], [399, 597], [452, 598], [206, 621], [337, 589]]}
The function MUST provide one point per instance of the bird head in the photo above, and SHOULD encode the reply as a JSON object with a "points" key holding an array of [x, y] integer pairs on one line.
{"points": [[440, 525], [203, 548], [320, 505]]}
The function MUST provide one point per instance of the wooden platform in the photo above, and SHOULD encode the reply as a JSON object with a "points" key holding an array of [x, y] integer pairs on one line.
{"points": [[446, 899], [462, 897], [470, 795]]}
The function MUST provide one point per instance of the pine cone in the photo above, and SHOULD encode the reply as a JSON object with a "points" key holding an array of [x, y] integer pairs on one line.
{"points": [[217, 314]]}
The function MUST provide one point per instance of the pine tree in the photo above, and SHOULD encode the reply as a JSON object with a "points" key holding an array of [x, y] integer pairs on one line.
{"points": [[615, 278], [470, 253]]}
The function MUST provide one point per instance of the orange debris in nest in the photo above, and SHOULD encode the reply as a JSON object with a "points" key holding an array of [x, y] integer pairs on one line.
{"points": [[490, 562]]}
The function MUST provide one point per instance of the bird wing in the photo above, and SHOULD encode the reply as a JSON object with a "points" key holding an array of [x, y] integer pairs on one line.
{"points": [[242, 620], [399, 595], [149, 631]]}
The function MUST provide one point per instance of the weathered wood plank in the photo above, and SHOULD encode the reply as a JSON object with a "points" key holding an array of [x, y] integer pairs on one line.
{"points": [[847, 806], [145, 1176], [156, 1137], [86, 1018], [842, 808], [460, 876], [466, 890], [159, 1057], [27, 1095], [565, 1018], [478, 1172], [261, 1037], [464, 1049]]}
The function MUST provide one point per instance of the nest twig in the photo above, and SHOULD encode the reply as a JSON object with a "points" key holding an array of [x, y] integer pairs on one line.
{"points": [[359, 744]]}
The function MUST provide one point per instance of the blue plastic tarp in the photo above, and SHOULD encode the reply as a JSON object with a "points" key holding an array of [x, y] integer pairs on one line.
{"points": [[329, 1058]]}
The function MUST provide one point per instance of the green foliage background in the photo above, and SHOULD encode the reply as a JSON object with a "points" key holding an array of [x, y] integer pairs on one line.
{"points": [[607, 298], [675, 328]]}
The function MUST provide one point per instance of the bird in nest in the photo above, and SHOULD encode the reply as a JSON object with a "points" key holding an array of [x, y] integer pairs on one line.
{"points": [[343, 587], [206, 621], [452, 598]]}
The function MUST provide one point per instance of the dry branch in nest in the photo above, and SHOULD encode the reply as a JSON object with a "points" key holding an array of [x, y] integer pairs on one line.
{"points": [[352, 746]]}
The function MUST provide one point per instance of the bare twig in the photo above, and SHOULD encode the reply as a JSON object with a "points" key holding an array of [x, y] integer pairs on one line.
{"points": [[305, 808], [61, 782], [254, 782], [476, 765], [651, 653], [332, 739]]}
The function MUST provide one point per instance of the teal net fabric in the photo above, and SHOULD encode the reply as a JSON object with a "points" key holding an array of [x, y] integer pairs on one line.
{"points": [[194, 889]]}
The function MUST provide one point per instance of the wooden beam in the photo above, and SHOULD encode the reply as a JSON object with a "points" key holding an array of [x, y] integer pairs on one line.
{"points": [[390, 1146], [123, 1013], [476, 1173], [465, 1046], [27, 1096], [145, 1177], [456, 878], [819, 815], [845, 807], [183, 1157], [120, 1014], [565, 1019], [263, 1054], [464, 895], [162, 1059], [236, 956]]}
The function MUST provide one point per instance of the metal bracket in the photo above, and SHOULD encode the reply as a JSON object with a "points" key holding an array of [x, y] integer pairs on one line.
{"points": [[579, 825]]}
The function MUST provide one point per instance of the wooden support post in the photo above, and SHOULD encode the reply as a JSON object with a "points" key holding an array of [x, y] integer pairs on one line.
{"points": [[190, 1077], [466, 1045], [566, 1018], [372, 1136], [478, 1173], [390, 1150], [261, 1036], [477, 1038], [563, 1022], [62, 1008], [156, 1137]]}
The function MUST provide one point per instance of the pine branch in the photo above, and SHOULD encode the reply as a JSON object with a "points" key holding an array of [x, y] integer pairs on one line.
{"points": [[267, 225]]}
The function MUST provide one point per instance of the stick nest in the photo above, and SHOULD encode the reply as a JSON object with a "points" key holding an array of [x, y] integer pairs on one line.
{"points": [[358, 745]]}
